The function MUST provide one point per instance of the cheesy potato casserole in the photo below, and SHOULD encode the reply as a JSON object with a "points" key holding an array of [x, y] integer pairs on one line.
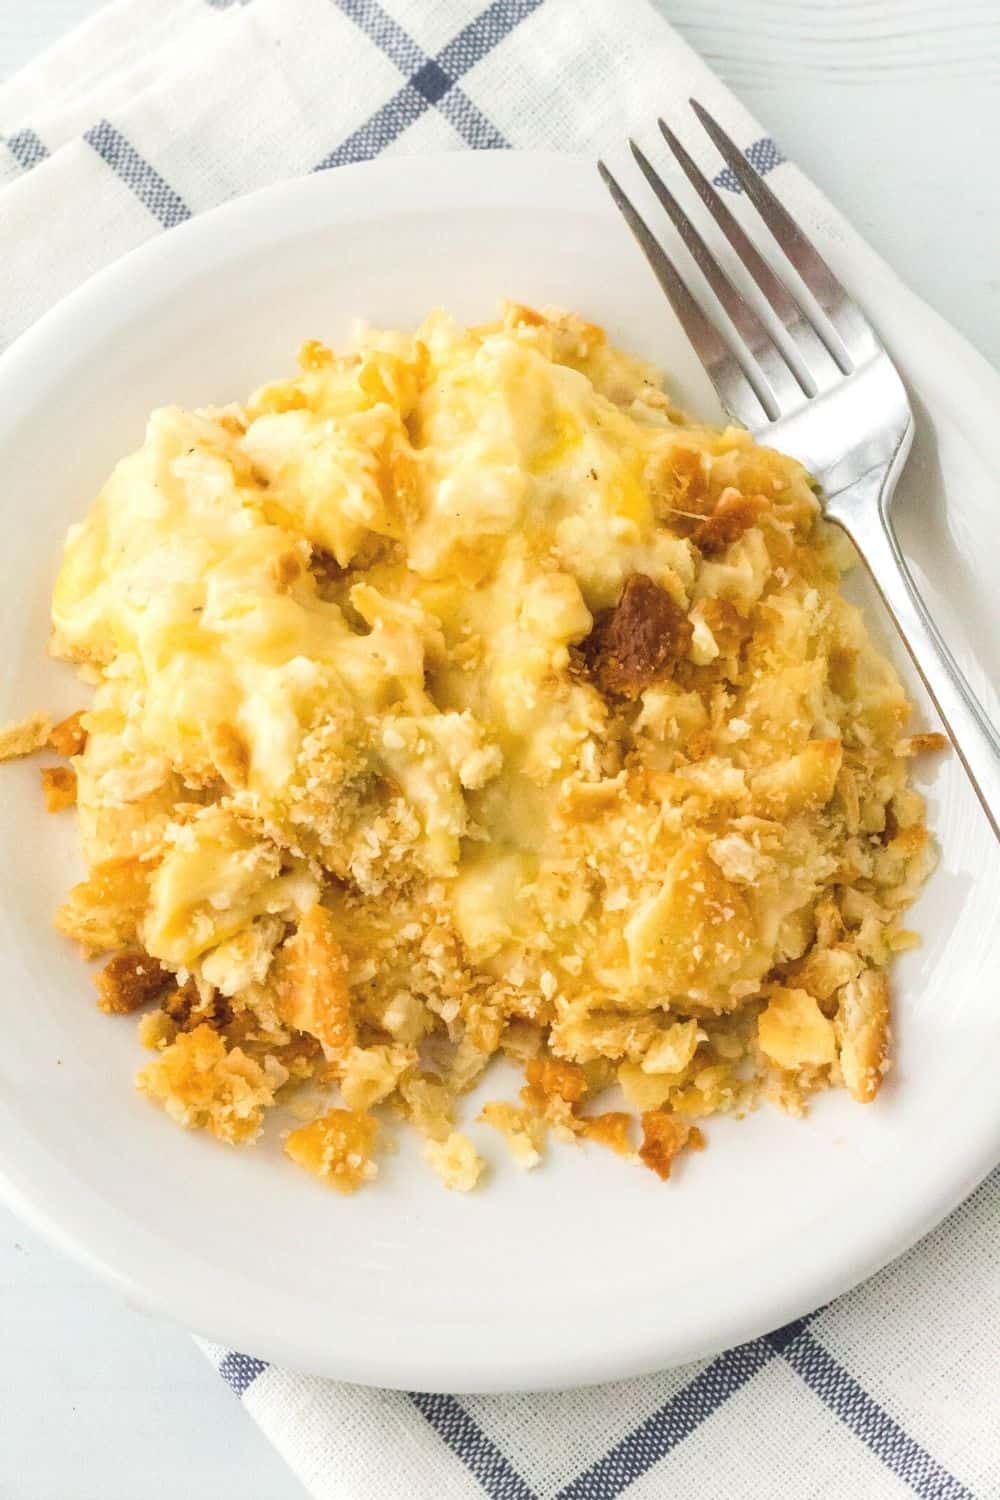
{"points": [[458, 696]]}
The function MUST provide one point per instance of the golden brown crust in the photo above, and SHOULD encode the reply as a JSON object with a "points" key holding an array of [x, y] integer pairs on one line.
{"points": [[922, 744], [338, 1148], [58, 787], [613, 1129], [639, 642], [552, 1076], [734, 514], [678, 481], [664, 1137], [862, 1025], [103, 912], [804, 781], [129, 981], [24, 737], [69, 737], [501, 708], [310, 984], [204, 1086]]}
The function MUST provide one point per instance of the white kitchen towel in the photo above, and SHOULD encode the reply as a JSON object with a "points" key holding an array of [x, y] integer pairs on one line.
{"points": [[158, 109]]}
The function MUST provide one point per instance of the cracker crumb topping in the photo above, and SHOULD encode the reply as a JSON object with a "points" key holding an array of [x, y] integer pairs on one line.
{"points": [[458, 696]]}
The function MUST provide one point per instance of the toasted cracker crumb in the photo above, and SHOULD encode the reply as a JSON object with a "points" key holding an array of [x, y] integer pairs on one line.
{"points": [[58, 787], [552, 1075], [664, 1136], [921, 744], [24, 737], [338, 1148], [862, 1025], [129, 981], [205, 1086], [68, 737], [613, 1129]]}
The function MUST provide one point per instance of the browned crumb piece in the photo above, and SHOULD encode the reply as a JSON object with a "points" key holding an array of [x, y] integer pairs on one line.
{"points": [[677, 479], [551, 1076], [337, 1148], [189, 1006], [69, 737], [310, 975], [522, 1129], [734, 514], [611, 1129], [204, 1087], [102, 912], [862, 1027], [58, 788], [728, 626], [128, 982], [909, 841], [664, 1136], [24, 737], [918, 744], [639, 641]]}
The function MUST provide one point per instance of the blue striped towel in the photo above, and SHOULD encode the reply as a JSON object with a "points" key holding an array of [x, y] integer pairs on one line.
{"points": [[138, 121]]}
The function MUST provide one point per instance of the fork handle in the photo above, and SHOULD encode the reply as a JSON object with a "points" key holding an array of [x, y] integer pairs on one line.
{"points": [[862, 511]]}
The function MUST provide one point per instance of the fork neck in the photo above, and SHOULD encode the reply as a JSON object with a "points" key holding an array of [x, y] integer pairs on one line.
{"points": [[862, 510]]}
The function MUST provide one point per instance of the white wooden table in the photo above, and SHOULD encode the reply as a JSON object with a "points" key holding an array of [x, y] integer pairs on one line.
{"points": [[891, 106]]}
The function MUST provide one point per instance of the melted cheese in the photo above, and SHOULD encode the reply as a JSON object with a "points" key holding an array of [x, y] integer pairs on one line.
{"points": [[336, 632]]}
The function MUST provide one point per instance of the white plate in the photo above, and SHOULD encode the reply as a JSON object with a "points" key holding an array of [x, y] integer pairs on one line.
{"points": [[586, 1269]]}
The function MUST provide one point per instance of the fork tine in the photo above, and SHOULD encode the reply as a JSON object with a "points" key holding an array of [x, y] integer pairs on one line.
{"points": [[736, 391], [783, 386], [850, 324], [819, 364]]}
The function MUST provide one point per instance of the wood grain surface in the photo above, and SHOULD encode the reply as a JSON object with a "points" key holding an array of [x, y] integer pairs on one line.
{"points": [[754, 43]]}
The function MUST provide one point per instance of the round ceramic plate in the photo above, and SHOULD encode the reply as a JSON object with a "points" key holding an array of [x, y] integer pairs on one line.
{"points": [[586, 1269]]}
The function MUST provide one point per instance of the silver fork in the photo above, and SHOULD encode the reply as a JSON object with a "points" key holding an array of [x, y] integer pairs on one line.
{"points": [[831, 397]]}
